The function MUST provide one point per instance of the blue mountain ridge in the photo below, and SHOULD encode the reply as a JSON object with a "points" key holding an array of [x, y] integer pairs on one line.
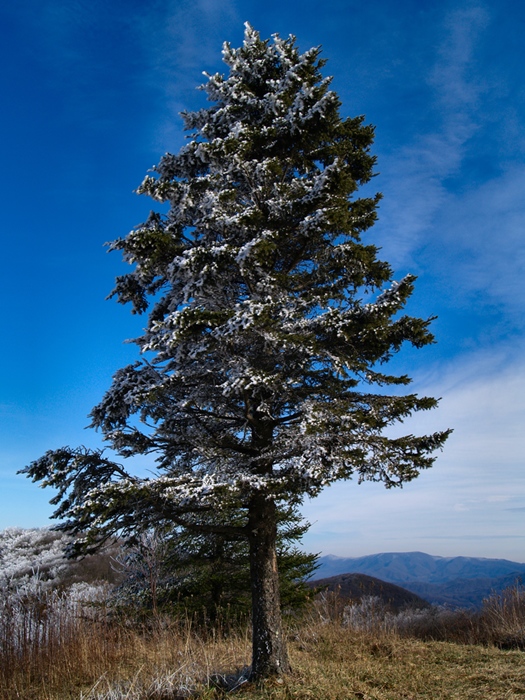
{"points": [[407, 567], [457, 582]]}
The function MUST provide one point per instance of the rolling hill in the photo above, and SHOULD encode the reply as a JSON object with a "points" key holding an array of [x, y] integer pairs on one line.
{"points": [[356, 586]]}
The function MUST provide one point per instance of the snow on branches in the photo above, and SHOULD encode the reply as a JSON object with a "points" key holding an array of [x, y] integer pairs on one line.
{"points": [[260, 354]]}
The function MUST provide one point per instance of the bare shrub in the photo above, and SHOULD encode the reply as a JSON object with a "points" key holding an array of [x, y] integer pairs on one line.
{"points": [[438, 623], [329, 606], [42, 633], [503, 616], [370, 614]]}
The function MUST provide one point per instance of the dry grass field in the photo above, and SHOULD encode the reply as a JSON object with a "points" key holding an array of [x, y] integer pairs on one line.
{"points": [[83, 658]]}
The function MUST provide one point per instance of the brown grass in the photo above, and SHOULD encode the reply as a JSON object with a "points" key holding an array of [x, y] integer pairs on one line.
{"points": [[92, 659], [334, 663], [53, 653]]}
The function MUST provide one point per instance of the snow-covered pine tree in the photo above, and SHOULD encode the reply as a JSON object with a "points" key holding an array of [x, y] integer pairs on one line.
{"points": [[262, 379]]}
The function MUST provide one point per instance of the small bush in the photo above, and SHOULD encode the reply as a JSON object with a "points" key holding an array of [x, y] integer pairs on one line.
{"points": [[500, 622], [503, 618], [439, 623], [370, 614]]}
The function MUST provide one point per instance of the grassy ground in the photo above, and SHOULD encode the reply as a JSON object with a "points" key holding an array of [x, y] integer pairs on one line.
{"points": [[329, 662], [335, 664]]}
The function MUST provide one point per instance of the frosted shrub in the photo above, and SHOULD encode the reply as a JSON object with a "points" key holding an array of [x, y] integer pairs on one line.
{"points": [[36, 611], [407, 621], [89, 593], [372, 615], [34, 621], [369, 615], [434, 622], [440, 623], [31, 560]]}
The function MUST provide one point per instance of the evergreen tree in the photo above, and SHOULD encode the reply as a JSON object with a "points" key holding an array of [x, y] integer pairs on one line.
{"points": [[208, 574], [270, 322]]}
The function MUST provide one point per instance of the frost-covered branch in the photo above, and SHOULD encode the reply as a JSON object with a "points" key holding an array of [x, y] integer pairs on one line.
{"points": [[270, 321]]}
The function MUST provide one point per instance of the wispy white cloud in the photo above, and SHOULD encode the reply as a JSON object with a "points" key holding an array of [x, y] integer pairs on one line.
{"points": [[454, 208], [471, 502], [180, 40], [451, 75], [483, 237], [415, 176]]}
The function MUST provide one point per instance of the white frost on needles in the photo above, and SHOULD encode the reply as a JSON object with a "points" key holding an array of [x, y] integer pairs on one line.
{"points": [[260, 353]]}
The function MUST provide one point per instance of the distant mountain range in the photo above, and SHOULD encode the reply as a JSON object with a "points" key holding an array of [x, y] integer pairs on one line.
{"points": [[455, 581]]}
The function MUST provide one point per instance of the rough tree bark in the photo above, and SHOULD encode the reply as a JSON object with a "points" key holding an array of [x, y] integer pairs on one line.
{"points": [[270, 656]]}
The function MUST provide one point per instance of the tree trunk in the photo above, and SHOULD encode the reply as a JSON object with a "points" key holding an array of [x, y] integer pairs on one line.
{"points": [[270, 656]]}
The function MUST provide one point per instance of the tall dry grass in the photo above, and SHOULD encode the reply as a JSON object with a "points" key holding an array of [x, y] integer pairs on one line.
{"points": [[49, 639], [56, 647], [503, 615], [53, 647]]}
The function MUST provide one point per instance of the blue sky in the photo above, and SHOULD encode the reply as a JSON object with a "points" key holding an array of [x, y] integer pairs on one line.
{"points": [[91, 93]]}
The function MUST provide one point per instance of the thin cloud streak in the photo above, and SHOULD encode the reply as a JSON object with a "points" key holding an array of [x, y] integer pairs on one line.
{"points": [[415, 175], [176, 55], [475, 491], [485, 226]]}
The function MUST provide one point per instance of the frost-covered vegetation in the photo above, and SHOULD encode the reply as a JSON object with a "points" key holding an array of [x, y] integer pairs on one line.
{"points": [[208, 575], [31, 560], [57, 645], [33, 563], [500, 621], [60, 638], [263, 373], [169, 571]]}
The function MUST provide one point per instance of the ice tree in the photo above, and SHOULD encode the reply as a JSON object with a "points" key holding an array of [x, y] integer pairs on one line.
{"points": [[271, 319]]}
